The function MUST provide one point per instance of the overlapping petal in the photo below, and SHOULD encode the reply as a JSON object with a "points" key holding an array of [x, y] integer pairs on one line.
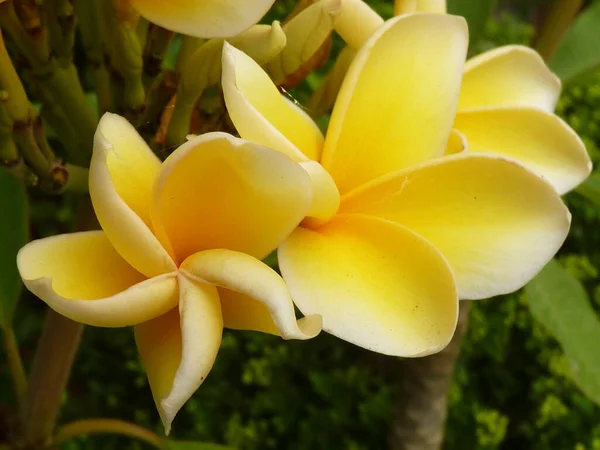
{"points": [[398, 100], [540, 140], [82, 277], [261, 114], [357, 22], [457, 143], [204, 18], [122, 172], [249, 277], [371, 280], [179, 348], [496, 222], [217, 191], [509, 76]]}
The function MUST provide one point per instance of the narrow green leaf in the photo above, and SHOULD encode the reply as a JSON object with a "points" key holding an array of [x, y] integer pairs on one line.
{"points": [[579, 53], [189, 445], [560, 303], [13, 235], [476, 12], [590, 188]]}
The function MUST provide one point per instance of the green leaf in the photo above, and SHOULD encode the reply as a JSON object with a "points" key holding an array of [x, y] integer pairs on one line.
{"points": [[476, 12], [579, 53], [590, 188], [13, 235], [560, 303], [189, 445]]}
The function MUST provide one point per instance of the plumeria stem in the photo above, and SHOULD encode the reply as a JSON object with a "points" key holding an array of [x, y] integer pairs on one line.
{"points": [[556, 21], [49, 374], [106, 426], [15, 364], [422, 405]]}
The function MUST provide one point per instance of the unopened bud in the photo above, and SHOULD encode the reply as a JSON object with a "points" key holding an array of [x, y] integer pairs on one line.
{"points": [[357, 22], [411, 6]]}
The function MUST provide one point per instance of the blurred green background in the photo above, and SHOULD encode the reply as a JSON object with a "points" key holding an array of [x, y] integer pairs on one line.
{"points": [[511, 389]]}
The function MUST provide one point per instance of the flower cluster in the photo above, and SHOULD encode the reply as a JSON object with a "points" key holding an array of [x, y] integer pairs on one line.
{"points": [[437, 180]]}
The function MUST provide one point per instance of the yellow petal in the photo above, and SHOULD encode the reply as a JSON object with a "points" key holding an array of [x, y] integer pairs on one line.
{"points": [[496, 223], [411, 6], [82, 277], [179, 348], [326, 197], [357, 22], [217, 191], [376, 284], [246, 275], [540, 140], [122, 172], [261, 114], [457, 143], [509, 76], [204, 18], [241, 312], [398, 100]]}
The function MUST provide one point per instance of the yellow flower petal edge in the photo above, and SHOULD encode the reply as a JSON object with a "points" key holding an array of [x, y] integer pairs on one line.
{"points": [[82, 277], [357, 22], [122, 172], [371, 280], [540, 140], [495, 221], [326, 197], [241, 312], [261, 114], [179, 349], [512, 75], [204, 18], [397, 103], [218, 191], [457, 143], [242, 273]]}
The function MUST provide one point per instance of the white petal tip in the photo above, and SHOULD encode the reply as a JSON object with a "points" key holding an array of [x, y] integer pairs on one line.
{"points": [[310, 326]]}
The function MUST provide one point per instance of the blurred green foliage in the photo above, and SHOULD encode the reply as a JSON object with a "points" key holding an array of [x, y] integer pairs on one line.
{"points": [[511, 388]]}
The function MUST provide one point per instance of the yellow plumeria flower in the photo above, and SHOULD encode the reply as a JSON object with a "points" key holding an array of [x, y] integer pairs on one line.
{"points": [[204, 18], [506, 102], [415, 230], [176, 257]]}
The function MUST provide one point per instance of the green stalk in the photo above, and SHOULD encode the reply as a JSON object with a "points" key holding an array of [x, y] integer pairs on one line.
{"points": [[556, 21], [15, 364]]}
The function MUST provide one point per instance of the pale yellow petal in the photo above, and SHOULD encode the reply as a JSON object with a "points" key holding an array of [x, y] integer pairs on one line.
{"points": [[398, 100], [496, 222], [411, 6], [248, 276], [261, 114], [457, 143], [326, 197], [122, 172], [204, 18], [376, 284], [357, 22], [217, 191], [540, 140], [241, 312], [82, 277], [509, 76], [179, 348]]}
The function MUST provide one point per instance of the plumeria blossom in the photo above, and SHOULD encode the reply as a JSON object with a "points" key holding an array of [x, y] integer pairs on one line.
{"points": [[406, 230], [204, 18], [177, 253], [506, 102]]}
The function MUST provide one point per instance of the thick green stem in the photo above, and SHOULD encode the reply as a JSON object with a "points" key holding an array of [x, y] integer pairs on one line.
{"points": [[556, 21], [15, 364], [106, 426], [49, 374], [157, 42]]}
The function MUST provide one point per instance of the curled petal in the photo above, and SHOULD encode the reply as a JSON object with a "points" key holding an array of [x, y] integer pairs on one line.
{"points": [[357, 23], [398, 100], [540, 140], [371, 280], [204, 18], [179, 348], [217, 191], [122, 172], [82, 277], [260, 113], [509, 76], [241, 273], [457, 143], [495, 221]]}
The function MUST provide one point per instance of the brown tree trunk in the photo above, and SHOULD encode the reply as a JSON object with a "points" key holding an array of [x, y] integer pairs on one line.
{"points": [[421, 406]]}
